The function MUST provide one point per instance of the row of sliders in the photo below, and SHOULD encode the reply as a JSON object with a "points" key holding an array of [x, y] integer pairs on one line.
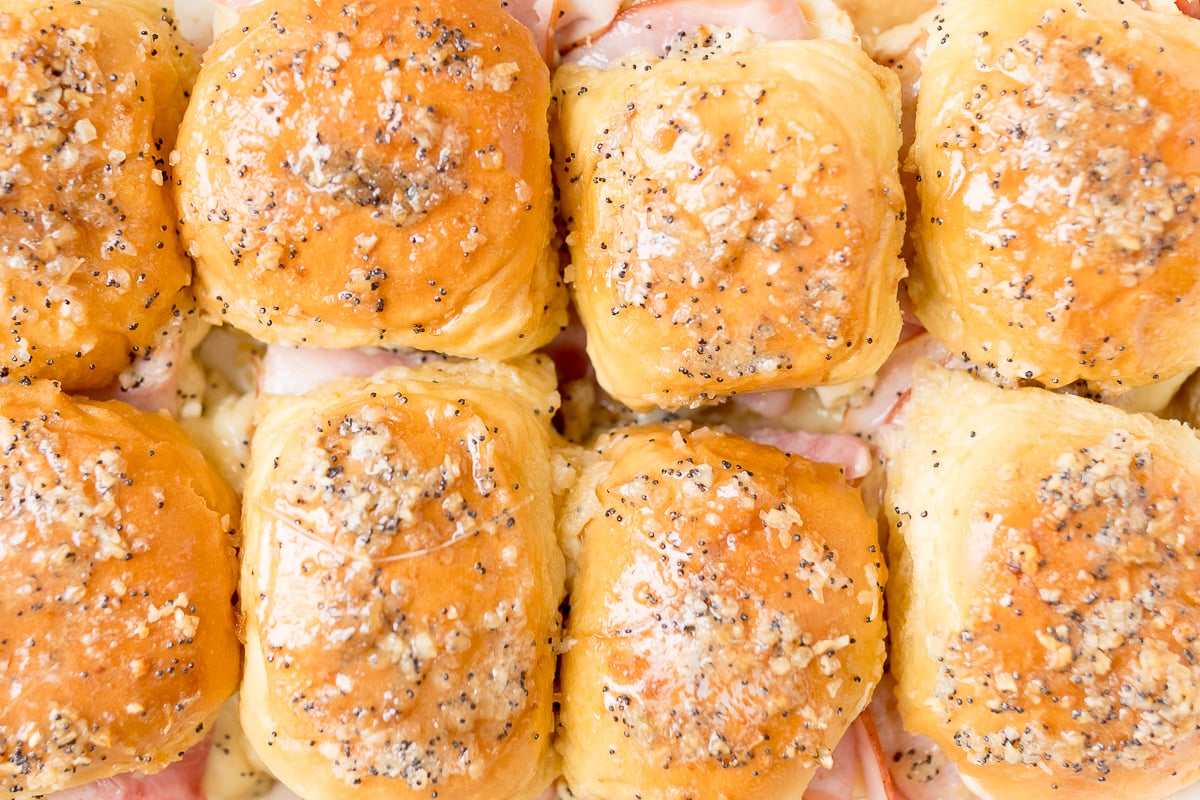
{"points": [[337, 187], [408, 542], [731, 200], [401, 583]]}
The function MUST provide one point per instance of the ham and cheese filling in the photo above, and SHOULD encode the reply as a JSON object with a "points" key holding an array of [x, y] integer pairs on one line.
{"points": [[180, 781], [656, 25]]}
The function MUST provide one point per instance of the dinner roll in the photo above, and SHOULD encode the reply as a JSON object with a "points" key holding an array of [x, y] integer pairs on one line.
{"points": [[403, 581], [725, 620], [118, 581], [374, 174], [1045, 591], [1058, 236], [90, 264], [733, 208]]}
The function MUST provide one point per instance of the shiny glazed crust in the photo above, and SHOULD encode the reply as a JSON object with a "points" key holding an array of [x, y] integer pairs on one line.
{"points": [[350, 178], [736, 212], [1045, 589], [118, 580], [403, 581], [91, 268], [1059, 226], [726, 618]]}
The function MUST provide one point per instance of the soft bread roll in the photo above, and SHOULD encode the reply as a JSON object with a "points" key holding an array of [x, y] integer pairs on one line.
{"points": [[403, 581], [1059, 227], [734, 209], [1045, 589], [726, 618], [91, 268], [118, 585], [374, 175]]}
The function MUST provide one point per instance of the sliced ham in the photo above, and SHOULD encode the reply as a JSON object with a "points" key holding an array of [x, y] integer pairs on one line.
{"points": [[151, 385], [918, 767], [295, 370], [767, 404], [655, 25], [579, 20], [850, 452], [179, 781], [156, 378], [867, 414], [858, 769], [540, 16]]}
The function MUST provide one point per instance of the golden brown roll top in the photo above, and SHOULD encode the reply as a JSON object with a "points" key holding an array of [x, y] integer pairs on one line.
{"points": [[726, 618], [354, 175], [90, 263], [403, 582], [1058, 233], [1045, 590], [735, 210], [118, 581]]}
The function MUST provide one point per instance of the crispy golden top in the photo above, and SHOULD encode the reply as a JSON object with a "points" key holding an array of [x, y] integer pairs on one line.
{"points": [[1046, 597], [736, 208], [375, 173], [90, 264], [1059, 232], [118, 580], [726, 616], [406, 585]]}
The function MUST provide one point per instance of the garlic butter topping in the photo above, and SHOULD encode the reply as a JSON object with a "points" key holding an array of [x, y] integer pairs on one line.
{"points": [[721, 204], [339, 186], [404, 604], [1059, 172], [117, 576], [726, 615], [90, 263], [1047, 607], [1105, 569]]}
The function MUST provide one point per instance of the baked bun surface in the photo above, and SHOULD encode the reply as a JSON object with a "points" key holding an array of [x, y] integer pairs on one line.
{"points": [[351, 177], [733, 209], [1045, 590], [90, 264], [118, 582], [726, 618], [403, 581], [1058, 236]]}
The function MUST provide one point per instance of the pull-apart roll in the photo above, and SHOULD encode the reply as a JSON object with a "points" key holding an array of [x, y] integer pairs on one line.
{"points": [[374, 175], [734, 213], [1044, 602], [402, 583], [1058, 236], [726, 617], [92, 271], [118, 591]]}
